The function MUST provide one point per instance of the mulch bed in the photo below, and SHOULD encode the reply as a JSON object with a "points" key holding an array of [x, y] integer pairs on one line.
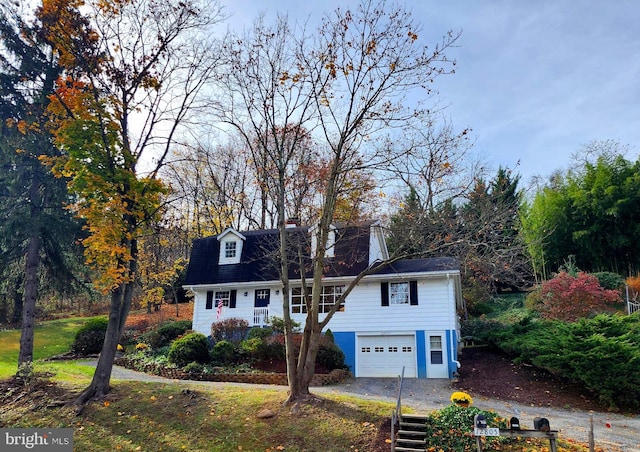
{"points": [[490, 373]]}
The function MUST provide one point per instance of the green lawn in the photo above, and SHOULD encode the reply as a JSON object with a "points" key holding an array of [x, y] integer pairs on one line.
{"points": [[51, 338], [145, 416]]}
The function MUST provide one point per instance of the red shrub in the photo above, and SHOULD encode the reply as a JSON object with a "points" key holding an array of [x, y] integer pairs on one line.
{"points": [[570, 298]]}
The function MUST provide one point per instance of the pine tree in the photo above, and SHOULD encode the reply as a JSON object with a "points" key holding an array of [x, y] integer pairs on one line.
{"points": [[37, 234]]}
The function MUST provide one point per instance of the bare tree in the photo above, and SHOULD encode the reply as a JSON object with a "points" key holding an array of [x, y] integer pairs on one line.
{"points": [[347, 84], [362, 65], [438, 164], [212, 186]]}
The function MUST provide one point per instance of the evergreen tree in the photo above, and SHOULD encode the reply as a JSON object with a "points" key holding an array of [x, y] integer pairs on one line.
{"points": [[37, 234]]}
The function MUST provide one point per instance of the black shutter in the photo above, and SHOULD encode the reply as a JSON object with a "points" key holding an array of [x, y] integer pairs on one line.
{"points": [[232, 299], [413, 293], [209, 300], [384, 293]]}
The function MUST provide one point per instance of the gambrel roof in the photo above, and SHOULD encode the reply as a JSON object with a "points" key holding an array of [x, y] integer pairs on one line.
{"points": [[258, 261]]}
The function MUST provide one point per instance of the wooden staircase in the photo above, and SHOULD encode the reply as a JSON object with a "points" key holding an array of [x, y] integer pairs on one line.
{"points": [[412, 434]]}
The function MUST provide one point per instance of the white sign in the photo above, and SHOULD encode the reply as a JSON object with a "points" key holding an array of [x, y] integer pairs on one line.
{"points": [[486, 432]]}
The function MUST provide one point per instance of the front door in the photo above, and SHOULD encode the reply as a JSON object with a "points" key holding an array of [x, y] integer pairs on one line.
{"points": [[262, 298], [261, 307]]}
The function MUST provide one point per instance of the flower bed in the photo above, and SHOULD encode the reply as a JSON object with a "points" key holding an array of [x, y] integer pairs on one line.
{"points": [[335, 376]]}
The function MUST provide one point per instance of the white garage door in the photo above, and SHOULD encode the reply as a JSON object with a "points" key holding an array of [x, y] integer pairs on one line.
{"points": [[384, 356]]}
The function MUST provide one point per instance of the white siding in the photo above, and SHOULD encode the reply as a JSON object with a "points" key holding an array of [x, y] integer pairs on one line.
{"points": [[363, 310], [203, 318]]}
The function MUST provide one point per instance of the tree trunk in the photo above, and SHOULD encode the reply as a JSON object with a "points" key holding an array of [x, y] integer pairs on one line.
{"points": [[305, 368], [31, 276], [4, 309], [99, 386], [29, 304], [120, 305]]}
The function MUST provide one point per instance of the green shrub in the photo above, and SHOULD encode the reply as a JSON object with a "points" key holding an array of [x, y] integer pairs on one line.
{"points": [[251, 346], [189, 348], [601, 354], [90, 337], [224, 352], [330, 357], [328, 337], [260, 333], [610, 280], [270, 349], [480, 329], [194, 368], [450, 429], [232, 330], [166, 333], [277, 324]]}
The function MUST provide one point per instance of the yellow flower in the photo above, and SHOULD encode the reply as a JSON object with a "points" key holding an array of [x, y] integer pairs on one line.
{"points": [[461, 397]]}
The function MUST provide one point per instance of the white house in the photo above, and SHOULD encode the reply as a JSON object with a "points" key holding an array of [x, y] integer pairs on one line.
{"points": [[402, 315]]}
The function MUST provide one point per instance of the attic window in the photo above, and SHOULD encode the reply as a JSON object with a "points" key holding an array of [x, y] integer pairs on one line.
{"points": [[230, 250]]}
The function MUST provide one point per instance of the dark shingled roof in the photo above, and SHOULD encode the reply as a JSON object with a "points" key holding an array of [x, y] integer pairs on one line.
{"points": [[258, 260], [436, 264]]}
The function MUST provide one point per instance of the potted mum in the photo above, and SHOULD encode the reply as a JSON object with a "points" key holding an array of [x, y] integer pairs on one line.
{"points": [[461, 399]]}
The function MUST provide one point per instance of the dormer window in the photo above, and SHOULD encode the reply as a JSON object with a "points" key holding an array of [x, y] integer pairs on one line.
{"points": [[230, 250], [230, 247]]}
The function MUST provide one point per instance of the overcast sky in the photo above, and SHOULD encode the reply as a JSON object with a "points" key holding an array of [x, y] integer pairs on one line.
{"points": [[535, 80]]}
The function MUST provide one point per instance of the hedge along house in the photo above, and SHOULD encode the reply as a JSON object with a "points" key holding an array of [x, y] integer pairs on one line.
{"points": [[405, 314]]}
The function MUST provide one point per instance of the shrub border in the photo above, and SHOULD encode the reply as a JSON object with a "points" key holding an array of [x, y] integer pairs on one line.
{"points": [[333, 377]]}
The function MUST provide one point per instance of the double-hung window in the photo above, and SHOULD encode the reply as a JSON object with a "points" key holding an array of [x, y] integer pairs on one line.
{"points": [[227, 297], [399, 293], [223, 296]]}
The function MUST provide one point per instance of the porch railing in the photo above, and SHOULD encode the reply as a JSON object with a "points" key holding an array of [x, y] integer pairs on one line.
{"points": [[253, 316]]}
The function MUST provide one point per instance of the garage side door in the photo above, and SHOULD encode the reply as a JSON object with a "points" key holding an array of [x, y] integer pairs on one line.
{"points": [[384, 356]]}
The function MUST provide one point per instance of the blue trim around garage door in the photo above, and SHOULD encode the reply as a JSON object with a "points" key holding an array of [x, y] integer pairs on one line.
{"points": [[347, 343], [452, 348], [421, 353]]}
